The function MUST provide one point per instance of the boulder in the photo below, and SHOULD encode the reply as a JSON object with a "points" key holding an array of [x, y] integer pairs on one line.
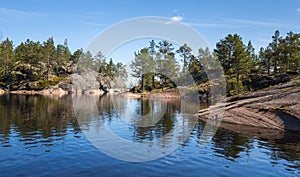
{"points": [[88, 82], [58, 92], [2, 92]]}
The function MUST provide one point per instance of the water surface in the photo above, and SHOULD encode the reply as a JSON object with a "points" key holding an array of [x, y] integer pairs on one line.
{"points": [[40, 136]]}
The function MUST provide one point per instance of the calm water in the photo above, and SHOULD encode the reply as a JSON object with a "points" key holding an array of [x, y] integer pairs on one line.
{"points": [[40, 136]]}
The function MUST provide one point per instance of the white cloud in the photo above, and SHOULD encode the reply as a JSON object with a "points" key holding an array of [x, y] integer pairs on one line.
{"points": [[176, 19], [298, 10]]}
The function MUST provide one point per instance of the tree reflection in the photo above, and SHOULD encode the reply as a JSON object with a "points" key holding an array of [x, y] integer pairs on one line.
{"points": [[163, 126], [231, 144], [35, 117], [42, 121], [279, 145]]}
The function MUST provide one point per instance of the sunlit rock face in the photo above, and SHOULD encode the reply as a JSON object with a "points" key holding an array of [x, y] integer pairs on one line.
{"points": [[89, 82]]}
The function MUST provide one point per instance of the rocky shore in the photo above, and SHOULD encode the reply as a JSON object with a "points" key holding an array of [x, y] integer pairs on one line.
{"points": [[88, 83], [276, 107]]}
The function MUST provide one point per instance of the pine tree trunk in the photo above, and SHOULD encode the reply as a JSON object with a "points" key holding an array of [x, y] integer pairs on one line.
{"points": [[153, 81], [268, 66], [143, 82], [275, 66], [238, 80]]}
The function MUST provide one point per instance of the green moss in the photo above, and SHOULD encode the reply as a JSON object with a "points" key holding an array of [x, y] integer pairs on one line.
{"points": [[41, 84], [297, 84], [281, 108], [264, 109]]}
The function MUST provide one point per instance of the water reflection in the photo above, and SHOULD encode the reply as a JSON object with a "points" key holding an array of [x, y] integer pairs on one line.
{"points": [[234, 146], [32, 126], [34, 121], [110, 132]]}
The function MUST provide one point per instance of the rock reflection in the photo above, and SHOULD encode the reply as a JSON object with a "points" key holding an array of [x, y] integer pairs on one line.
{"points": [[236, 141], [40, 124], [35, 121], [172, 124]]}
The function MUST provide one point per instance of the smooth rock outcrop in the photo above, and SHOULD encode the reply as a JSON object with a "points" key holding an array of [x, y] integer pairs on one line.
{"points": [[277, 107]]}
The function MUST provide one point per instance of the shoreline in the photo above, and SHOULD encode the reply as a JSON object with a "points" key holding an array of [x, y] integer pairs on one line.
{"points": [[166, 95], [276, 107]]}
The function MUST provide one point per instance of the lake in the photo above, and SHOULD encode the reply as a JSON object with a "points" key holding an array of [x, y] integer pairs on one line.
{"points": [[41, 136]]}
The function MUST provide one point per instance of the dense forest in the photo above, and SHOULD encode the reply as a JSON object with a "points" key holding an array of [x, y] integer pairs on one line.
{"points": [[38, 65], [242, 66], [35, 65]]}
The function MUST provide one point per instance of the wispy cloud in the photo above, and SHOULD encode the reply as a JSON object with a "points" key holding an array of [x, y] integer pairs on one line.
{"points": [[198, 24], [298, 10], [95, 13], [214, 24], [255, 22], [14, 14], [94, 24]]}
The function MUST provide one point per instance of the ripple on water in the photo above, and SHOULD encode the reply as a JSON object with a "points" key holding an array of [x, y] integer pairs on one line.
{"points": [[55, 146]]}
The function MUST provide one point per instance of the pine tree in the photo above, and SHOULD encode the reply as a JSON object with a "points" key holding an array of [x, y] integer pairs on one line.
{"points": [[291, 51], [6, 58], [76, 55], [111, 69], [49, 56], [100, 62], [265, 56], [142, 65], [185, 52], [274, 45], [121, 71], [232, 54], [152, 52], [166, 62]]}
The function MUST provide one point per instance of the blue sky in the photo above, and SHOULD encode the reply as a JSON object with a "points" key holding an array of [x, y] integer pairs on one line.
{"points": [[81, 21]]}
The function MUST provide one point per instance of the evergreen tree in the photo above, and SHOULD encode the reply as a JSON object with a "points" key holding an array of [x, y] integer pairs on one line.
{"points": [[194, 67], [6, 58], [86, 61], [76, 55], [166, 62], [111, 69], [274, 45], [100, 62], [142, 65], [49, 56], [265, 56], [152, 52], [185, 52], [121, 71], [232, 54], [290, 49]]}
